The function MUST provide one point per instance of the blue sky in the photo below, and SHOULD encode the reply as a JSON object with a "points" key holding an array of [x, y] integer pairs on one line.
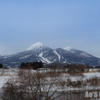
{"points": [[54, 23]]}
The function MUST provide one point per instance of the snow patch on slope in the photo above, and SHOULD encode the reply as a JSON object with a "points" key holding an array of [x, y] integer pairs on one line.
{"points": [[84, 54], [57, 54], [99, 61], [54, 60], [25, 57], [5, 57], [65, 61], [44, 59]]}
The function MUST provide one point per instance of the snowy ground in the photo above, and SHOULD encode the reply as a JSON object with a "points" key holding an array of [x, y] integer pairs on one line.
{"points": [[6, 74], [3, 79]]}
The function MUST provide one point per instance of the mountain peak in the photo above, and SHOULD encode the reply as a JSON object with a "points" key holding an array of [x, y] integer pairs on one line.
{"points": [[35, 46], [68, 48]]}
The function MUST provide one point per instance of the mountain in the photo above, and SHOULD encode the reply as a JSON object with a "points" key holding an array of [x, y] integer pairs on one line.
{"points": [[39, 52], [78, 52]]}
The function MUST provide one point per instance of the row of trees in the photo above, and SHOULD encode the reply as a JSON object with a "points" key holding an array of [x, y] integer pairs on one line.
{"points": [[76, 68], [70, 67], [34, 65]]}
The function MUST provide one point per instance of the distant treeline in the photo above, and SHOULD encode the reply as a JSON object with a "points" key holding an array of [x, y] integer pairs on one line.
{"points": [[34, 65]]}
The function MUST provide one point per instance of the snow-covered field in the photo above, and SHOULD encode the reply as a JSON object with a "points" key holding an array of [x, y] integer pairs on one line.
{"points": [[3, 79], [6, 74]]}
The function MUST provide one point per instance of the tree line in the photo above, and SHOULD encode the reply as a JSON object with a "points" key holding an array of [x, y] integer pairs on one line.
{"points": [[34, 65]]}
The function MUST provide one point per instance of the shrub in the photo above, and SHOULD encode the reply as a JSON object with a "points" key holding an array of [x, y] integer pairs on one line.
{"points": [[32, 86]]}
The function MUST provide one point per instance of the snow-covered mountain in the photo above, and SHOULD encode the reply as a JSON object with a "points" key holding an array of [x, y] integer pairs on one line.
{"points": [[37, 46], [39, 52], [78, 52]]}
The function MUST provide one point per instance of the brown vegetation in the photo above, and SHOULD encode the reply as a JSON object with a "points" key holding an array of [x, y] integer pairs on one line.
{"points": [[32, 86]]}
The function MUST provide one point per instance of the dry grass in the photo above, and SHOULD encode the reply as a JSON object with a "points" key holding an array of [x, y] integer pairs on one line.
{"points": [[6, 75], [52, 74], [76, 74]]}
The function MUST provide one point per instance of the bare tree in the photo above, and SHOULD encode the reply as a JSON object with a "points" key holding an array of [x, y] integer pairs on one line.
{"points": [[33, 86]]}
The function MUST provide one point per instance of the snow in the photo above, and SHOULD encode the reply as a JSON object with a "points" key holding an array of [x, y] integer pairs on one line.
{"points": [[84, 54], [44, 59], [64, 76], [57, 54], [6, 74], [89, 75], [40, 55], [3, 79], [54, 60], [99, 61], [35, 46], [4, 57], [62, 57], [68, 48], [25, 57], [74, 50], [65, 61]]}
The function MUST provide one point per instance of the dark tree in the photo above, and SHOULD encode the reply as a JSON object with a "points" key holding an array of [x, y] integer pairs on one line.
{"points": [[23, 65], [1, 66], [37, 65], [76, 68], [34, 65]]}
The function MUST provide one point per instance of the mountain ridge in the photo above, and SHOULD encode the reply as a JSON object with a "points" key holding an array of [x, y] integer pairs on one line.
{"points": [[39, 52]]}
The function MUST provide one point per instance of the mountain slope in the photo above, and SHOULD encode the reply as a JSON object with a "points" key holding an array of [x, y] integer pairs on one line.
{"points": [[78, 52]]}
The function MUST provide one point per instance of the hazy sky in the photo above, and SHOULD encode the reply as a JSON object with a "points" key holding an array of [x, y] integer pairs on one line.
{"points": [[54, 23]]}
